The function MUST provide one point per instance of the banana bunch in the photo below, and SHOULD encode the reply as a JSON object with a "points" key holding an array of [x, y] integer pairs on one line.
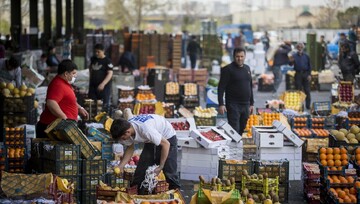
{"points": [[205, 112], [103, 186], [64, 185]]}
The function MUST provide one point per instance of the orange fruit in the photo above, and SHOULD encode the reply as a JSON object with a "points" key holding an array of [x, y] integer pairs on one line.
{"points": [[333, 168], [341, 200], [343, 180], [329, 156], [350, 179], [347, 199], [357, 184], [323, 162], [353, 198], [357, 151], [341, 194], [336, 150], [343, 150], [344, 162], [322, 156], [340, 168], [344, 156], [337, 157], [330, 162], [337, 163], [323, 150], [346, 191], [357, 156], [352, 191], [329, 150]]}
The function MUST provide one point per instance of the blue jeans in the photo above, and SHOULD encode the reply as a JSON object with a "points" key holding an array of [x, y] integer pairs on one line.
{"points": [[277, 77], [237, 115], [150, 156]]}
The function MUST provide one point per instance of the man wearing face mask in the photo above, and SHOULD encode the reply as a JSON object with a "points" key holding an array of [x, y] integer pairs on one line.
{"points": [[302, 67], [160, 146], [60, 99]]}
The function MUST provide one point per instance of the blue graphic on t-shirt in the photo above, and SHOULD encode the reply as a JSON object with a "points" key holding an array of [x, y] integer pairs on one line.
{"points": [[141, 118]]}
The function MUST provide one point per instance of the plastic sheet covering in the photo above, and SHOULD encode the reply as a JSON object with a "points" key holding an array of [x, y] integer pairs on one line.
{"points": [[25, 185]]}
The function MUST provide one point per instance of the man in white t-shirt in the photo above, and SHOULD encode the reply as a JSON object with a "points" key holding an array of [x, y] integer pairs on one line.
{"points": [[160, 146]]}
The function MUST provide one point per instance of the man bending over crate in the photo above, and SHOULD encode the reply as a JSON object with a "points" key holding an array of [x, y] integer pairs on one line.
{"points": [[160, 146]]}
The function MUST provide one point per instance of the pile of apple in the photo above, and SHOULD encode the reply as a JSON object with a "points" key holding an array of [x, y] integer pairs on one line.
{"points": [[134, 160], [180, 125], [147, 109], [346, 92], [212, 135]]}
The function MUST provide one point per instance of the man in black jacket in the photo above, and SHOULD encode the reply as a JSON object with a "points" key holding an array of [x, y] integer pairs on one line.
{"points": [[236, 83], [348, 62], [193, 49]]}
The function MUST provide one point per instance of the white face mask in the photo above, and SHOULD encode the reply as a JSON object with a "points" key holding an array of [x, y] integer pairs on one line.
{"points": [[128, 142], [72, 80]]}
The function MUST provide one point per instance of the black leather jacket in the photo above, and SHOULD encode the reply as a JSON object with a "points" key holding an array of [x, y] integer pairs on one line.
{"points": [[349, 63]]}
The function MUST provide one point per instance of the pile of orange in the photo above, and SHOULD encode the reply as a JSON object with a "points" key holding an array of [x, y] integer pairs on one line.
{"points": [[333, 157], [143, 97], [357, 156], [302, 132], [321, 132], [253, 120], [300, 121], [341, 179], [346, 195], [268, 118]]}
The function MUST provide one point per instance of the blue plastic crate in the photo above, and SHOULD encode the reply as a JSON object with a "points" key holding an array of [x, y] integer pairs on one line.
{"points": [[99, 135]]}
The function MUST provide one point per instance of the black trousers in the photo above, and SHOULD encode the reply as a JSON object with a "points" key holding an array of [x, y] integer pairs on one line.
{"points": [[237, 115], [193, 58], [101, 95], [303, 84], [150, 156]]}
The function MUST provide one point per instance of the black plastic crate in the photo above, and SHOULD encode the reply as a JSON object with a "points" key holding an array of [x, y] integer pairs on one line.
{"points": [[116, 181], [69, 130], [60, 151], [64, 168], [16, 105], [93, 167], [284, 192], [88, 196], [273, 169], [89, 182], [234, 168], [10, 120]]}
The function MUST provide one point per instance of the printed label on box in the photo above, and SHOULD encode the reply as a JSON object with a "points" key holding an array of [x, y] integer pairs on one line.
{"points": [[68, 167], [68, 153]]}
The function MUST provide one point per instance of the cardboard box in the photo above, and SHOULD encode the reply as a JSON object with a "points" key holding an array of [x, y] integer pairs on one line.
{"points": [[207, 143], [230, 131], [183, 133], [188, 142], [288, 133]]}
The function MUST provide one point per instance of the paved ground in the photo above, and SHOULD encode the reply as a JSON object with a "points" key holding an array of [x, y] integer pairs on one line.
{"points": [[296, 187]]}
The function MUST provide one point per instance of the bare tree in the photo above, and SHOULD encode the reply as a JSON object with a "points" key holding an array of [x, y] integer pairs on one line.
{"points": [[327, 17], [130, 12], [349, 17]]}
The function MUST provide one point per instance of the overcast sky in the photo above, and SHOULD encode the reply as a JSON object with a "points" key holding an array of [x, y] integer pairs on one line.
{"points": [[293, 2]]}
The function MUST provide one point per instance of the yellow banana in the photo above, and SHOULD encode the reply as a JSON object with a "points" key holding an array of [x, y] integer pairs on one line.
{"points": [[62, 186]]}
